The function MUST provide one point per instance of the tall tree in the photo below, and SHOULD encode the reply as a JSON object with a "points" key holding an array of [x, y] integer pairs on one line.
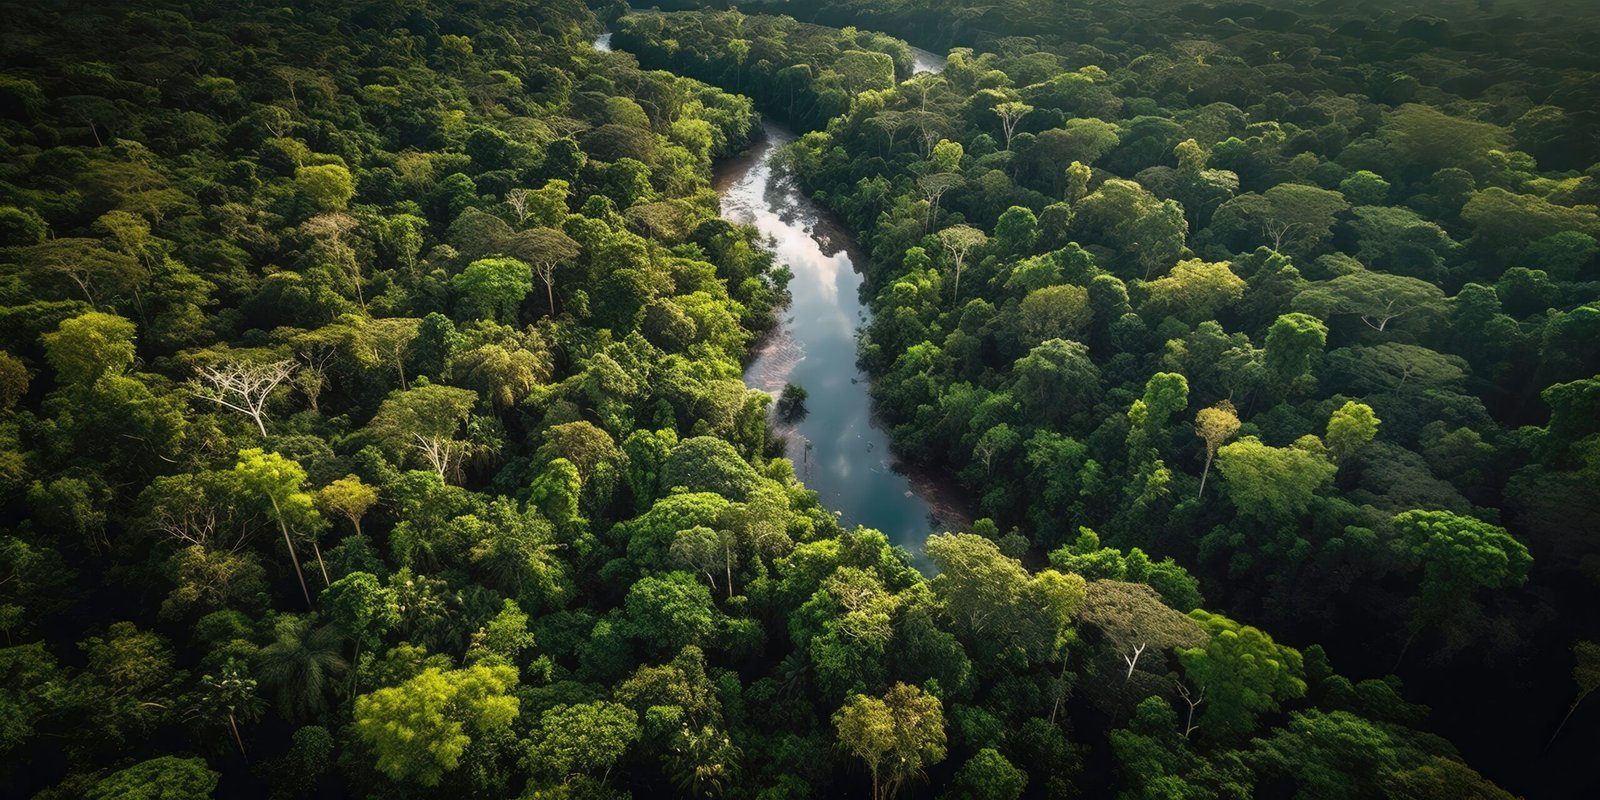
{"points": [[959, 241], [280, 481], [244, 386], [1214, 425], [301, 666], [897, 735], [428, 420]]}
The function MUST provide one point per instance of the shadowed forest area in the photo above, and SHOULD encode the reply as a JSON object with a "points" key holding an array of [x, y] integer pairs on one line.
{"points": [[373, 419]]}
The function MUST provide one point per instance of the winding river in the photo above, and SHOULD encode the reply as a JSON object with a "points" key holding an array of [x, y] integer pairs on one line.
{"points": [[839, 448]]}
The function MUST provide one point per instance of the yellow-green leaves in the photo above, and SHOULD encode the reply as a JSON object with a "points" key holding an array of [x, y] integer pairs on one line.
{"points": [[420, 729]]}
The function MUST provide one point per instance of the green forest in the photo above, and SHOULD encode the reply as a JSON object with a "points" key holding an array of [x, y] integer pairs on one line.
{"points": [[374, 419]]}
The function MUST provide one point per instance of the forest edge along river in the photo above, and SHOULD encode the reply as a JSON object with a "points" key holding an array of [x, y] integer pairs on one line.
{"points": [[839, 448]]}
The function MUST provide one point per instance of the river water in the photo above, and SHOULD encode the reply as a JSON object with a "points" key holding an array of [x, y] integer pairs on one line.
{"points": [[838, 447], [921, 60]]}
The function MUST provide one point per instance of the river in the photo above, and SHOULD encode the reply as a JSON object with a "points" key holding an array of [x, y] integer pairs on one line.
{"points": [[839, 448]]}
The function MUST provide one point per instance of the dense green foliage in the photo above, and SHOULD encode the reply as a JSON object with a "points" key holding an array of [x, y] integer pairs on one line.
{"points": [[1120, 252], [371, 420]]}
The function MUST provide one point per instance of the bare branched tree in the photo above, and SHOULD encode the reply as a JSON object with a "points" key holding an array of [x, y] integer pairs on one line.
{"points": [[1133, 660], [959, 241], [1194, 700], [245, 386]]}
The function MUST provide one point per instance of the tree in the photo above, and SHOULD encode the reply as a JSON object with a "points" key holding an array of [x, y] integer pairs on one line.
{"points": [[987, 776], [518, 555], [1193, 291], [96, 272], [1376, 298], [420, 729], [90, 345], [669, 612], [581, 443], [1291, 342], [162, 778], [1242, 672], [1010, 113], [1055, 380], [427, 420], [958, 241], [863, 70], [544, 248], [1154, 759], [992, 599], [233, 691], [1331, 756], [329, 232], [388, 340], [705, 551], [583, 739], [1427, 139], [1290, 218], [1350, 427], [1398, 240], [897, 735], [1391, 366], [329, 187], [709, 464], [1586, 674], [1055, 312], [1459, 556], [1272, 484], [301, 666], [1148, 233], [1365, 188], [244, 386], [349, 498], [933, 187], [493, 288], [1215, 425], [1504, 221], [364, 609], [281, 482], [128, 688]]}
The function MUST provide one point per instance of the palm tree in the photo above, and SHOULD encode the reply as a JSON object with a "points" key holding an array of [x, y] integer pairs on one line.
{"points": [[233, 691], [302, 666]]}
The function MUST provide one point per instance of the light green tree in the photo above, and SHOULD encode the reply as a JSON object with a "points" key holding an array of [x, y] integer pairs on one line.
{"points": [[582, 740], [1241, 672], [897, 735], [349, 498], [1214, 425], [1272, 483], [281, 482], [493, 288], [420, 729], [83, 348], [1350, 427]]}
